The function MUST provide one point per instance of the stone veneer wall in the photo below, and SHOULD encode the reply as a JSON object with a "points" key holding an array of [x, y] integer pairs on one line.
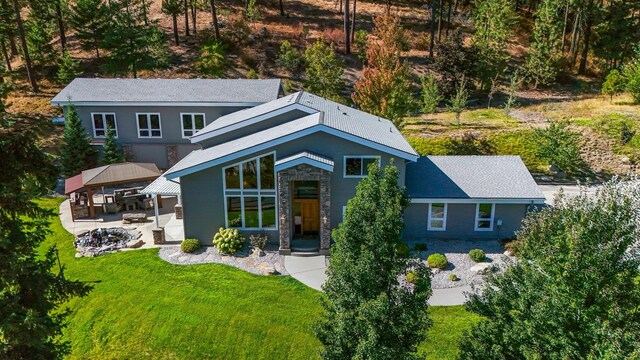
{"points": [[128, 152], [172, 155], [304, 172]]}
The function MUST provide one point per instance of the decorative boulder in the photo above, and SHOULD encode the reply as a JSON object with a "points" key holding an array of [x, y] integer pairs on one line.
{"points": [[134, 244], [482, 268]]}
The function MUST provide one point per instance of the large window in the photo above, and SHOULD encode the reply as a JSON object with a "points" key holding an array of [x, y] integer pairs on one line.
{"points": [[358, 166], [149, 126], [250, 193], [437, 217], [191, 123], [484, 217], [102, 122]]}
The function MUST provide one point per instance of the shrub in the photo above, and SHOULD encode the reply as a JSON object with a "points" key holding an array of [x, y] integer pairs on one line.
{"points": [[476, 255], [559, 146], [250, 57], [212, 59], [512, 245], [614, 84], [420, 247], [412, 277], [190, 245], [430, 94], [632, 77], [228, 241], [360, 41], [290, 58], [252, 74], [453, 277], [437, 261], [402, 249], [258, 241]]}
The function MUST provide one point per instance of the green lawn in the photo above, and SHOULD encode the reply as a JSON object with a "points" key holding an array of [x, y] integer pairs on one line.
{"points": [[144, 307]]}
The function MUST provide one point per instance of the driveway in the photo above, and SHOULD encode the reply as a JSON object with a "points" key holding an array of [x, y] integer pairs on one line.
{"points": [[550, 191]]}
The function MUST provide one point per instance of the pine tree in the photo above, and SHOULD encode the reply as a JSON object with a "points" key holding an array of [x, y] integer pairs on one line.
{"points": [[90, 19], [542, 60], [458, 102], [431, 96], [34, 289], [133, 45], [323, 71], [113, 153], [5, 88], [384, 85], [174, 9], [76, 153], [40, 29], [614, 84], [68, 69], [368, 312]]}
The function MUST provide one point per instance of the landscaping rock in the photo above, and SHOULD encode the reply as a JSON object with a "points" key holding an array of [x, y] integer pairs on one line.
{"points": [[134, 244], [269, 270], [482, 268], [553, 169], [509, 253]]}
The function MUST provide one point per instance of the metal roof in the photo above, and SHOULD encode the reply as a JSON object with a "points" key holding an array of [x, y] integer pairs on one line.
{"points": [[119, 174], [304, 157], [96, 90], [471, 177], [163, 186], [334, 115]]}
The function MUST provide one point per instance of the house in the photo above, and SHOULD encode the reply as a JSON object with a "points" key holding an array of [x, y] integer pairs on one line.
{"points": [[154, 118], [287, 168]]}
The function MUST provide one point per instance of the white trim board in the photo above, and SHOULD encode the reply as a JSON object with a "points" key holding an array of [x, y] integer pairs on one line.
{"points": [[284, 139], [477, 201], [304, 160]]}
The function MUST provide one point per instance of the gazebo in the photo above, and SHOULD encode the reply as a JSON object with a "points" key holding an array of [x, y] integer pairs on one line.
{"points": [[109, 175]]}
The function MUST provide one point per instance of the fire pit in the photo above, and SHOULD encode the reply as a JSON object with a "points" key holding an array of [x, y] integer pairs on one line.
{"points": [[104, 240]]}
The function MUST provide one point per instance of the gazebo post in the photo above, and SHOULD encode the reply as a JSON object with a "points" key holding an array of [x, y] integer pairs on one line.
{"points": [[92, 210], [155, 209]]}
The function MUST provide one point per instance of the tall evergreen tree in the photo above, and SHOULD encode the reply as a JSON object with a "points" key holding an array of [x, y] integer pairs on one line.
{"points": [[68, 69], [174, 9], [5, 88], [617, 33], [542, 59], [31, 316], [574, 293], [76, 153], [26, 56], [370, 312], [113, 153], [134, 46], [90, 19]]}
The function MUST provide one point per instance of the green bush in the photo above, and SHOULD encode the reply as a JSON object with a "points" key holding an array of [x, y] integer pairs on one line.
{"points": [[453, 277], [437, 261], [412, 277], [360, 40], [212, 60], [419, 247], [476, 255], [402, 249], [190, 245], [228, 241], [431, 96], [559, 146], [290, 58]]}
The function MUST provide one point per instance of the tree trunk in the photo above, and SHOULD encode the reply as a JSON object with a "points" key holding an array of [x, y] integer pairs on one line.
{"points": [[353, 22], [10, 33], [340, 8], [176, 38], [7, 58], [63, 37], [574, 37], [439, 20], [347, 27], [214, 19], [97, 51], [432, 28], [145, 16], [585, 48], [25, 51], [564, 26], [186, 18], [281, 8], [194, 16], [449, 19]]}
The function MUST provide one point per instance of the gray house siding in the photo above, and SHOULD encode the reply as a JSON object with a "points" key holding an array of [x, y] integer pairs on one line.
{"points": [[204, 200], [461, 221], [152, 149]]}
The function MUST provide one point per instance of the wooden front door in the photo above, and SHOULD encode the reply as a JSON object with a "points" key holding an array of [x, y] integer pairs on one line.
{"points": [[310, 214]]}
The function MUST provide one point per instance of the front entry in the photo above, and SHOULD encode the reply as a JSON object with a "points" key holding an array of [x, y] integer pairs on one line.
{"points": [[305, 203]]}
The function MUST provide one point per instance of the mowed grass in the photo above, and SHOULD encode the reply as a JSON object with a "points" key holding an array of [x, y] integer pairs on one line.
{"points": [[144, 307]]}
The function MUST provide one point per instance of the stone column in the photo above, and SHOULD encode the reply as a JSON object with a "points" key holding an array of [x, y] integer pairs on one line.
{"points": [[284, 212], [325, 211], [158, 236], [172, 154], [178, 210]]}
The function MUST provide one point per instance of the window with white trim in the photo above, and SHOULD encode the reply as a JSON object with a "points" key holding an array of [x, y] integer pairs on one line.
{"points": [[149, 125], [358, 166], [484, 217], [437, 220], [103, 121], [191, 123], [250, 193]]}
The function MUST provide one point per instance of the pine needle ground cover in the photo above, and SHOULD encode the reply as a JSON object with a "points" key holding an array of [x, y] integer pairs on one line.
{"points": [[144, 307]]}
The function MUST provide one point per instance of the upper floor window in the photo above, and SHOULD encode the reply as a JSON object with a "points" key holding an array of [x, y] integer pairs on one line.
{"points": [[102, 122], [191, 123], [149, 125], [484, 217], [358, 166], [250, 196], [437, 217]]}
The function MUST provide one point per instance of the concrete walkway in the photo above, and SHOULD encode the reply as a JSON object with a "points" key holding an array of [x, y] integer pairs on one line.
{"points": [[311, 272]]}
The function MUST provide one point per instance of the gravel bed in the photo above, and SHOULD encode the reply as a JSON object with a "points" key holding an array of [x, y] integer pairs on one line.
{"points": [[243, 260], [457, 252]]}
